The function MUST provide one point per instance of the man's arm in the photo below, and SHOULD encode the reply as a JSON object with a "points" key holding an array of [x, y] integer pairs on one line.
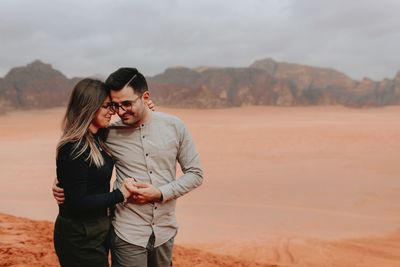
{"points": [[189, 160]]}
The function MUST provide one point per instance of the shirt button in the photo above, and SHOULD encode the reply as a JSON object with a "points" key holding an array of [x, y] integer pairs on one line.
{"points": [[151, 172], [153, 223], [155, 207], [142, 125], [147, 154], [143, 136]]}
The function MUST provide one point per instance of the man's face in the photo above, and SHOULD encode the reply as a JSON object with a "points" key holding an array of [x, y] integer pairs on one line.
{"points": [[132, 110]]}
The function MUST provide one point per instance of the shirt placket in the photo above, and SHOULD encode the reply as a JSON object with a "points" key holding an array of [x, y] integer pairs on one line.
{"points": [[145, 138]]}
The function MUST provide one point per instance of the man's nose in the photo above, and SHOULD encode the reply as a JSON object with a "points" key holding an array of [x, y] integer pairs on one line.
{"points": [[121, 111]]}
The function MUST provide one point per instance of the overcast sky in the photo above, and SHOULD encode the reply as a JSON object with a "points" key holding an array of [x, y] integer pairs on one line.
{"points": [[358, 37]]}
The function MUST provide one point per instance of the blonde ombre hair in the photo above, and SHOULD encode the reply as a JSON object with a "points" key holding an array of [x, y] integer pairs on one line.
{"points": [[86, 98]]}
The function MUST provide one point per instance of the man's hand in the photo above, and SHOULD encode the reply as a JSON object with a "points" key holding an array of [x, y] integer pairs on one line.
{"points": [[58, 192], [143, 193]]}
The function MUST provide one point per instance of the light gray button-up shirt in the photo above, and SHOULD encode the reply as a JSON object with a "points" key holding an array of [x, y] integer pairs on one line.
{"points": [[149, 153]]}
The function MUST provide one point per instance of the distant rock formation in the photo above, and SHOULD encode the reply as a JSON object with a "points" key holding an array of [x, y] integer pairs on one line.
{"points": [[210, 88], [36, 85], [265, 82]]}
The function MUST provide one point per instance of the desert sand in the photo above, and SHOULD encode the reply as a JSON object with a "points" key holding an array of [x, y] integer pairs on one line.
{"points": [[303, 186], [29, 243]]}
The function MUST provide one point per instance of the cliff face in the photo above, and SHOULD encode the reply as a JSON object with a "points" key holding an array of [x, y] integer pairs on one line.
{"points": [[36, 85], [304, 77], [223, 87], [265, 82]]}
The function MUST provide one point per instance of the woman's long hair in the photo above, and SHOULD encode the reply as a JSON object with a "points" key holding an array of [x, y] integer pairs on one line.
{"points": [[86, 98]]}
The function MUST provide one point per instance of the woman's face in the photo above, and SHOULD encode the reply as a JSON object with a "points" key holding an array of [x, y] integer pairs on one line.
{"points": [[103, 115]]}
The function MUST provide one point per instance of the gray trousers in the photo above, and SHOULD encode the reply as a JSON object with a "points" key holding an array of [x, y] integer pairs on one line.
{"points": [[124, 254]]}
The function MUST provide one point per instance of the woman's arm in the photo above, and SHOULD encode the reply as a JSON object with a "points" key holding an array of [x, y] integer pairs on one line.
{"points": [[73, 175]]}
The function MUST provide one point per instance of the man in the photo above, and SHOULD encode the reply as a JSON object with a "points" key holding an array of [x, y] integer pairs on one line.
{"points": [[146, 146]]}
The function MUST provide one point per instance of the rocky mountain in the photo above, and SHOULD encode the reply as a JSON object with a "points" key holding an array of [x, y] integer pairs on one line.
{"points": [[36, 85], [265, 82], [211, 87], [268, 82]]}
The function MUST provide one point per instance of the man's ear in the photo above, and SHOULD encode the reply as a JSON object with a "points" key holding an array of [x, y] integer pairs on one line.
{"points": [[146, 96]]}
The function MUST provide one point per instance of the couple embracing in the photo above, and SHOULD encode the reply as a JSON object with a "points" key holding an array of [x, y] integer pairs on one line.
{"points": [[136, 220]]}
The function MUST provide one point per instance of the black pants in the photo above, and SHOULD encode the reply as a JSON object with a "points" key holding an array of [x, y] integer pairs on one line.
{"points": [[82, 243]]}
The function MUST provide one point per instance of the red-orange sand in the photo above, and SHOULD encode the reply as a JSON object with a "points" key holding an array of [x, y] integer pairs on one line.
{"points": [[29, 243], [309, 186]]}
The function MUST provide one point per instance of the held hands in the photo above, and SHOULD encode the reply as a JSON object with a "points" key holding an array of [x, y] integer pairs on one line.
{"points": [[135, 192], [142, 193]]}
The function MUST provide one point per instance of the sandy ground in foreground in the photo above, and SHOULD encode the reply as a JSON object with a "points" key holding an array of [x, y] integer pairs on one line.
{"points": [[29, 243], [291, 186]]}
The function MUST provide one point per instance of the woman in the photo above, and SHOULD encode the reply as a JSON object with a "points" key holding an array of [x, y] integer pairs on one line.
{"points": [[84, 169]]}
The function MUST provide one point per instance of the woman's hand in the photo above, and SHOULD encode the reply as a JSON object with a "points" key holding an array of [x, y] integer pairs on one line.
{"points": [[127, 187], [58, 192], [151, 105]]}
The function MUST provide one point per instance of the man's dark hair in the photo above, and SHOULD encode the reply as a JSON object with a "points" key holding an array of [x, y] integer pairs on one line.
{"points": [[127, 76]]}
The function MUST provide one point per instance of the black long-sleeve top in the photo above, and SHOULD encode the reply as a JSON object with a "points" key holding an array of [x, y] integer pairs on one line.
{"points": [[86, 187]]}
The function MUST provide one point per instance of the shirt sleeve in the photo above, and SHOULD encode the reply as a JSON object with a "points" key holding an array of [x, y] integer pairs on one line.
{"points": [[73, 175], [189, 161]]}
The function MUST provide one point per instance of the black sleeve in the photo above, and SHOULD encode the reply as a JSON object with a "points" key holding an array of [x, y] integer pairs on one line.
{"points": [[73, 177]]}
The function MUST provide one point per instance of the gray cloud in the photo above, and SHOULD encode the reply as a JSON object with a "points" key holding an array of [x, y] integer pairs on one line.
{"points": [[360, 38]]}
